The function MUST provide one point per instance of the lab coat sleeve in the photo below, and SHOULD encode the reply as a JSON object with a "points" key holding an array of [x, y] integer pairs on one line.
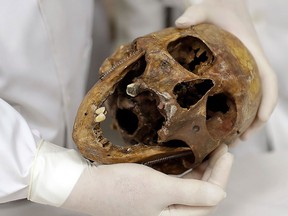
{"points": [[29, 165], [17, 149]]}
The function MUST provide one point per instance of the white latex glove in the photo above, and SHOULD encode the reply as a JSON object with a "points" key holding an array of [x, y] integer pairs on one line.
{"points": [[216, 171], [233, 16], [123, 189]]}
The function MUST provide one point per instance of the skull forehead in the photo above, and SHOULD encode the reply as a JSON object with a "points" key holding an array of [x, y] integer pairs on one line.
{"points": [[171, 92]]}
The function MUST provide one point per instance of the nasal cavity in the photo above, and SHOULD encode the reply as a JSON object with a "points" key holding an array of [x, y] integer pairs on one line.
{"points": [[189, 93]]}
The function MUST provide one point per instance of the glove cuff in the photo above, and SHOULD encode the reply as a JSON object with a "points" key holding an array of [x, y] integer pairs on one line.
{"points": [[54, 173]]}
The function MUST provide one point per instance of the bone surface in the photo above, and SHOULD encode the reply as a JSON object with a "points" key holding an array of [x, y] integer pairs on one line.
{"points": [[174, 96]]}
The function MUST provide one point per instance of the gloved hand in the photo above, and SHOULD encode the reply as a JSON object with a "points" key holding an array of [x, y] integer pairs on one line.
{"points": [[216, 171], [233, 16], [124, 189]]}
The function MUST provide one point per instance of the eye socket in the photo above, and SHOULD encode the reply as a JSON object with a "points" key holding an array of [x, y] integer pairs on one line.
{"points": [[221, 114], [217, 103], [191, 53]]}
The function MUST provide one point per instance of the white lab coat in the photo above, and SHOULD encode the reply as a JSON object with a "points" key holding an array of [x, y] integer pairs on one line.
{"points": [[45, 50]]}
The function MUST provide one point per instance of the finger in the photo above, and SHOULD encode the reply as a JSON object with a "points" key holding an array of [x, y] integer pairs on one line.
{"points": [[214, 156], [197, 172], [193, 193], [217, 153], [180, 210], [206, 167], [192, 16], [255, 126], [270, 95], [221, 170]]}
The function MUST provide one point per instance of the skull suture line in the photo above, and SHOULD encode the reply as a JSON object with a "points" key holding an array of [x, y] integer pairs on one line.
{"points": [[175, 95]]}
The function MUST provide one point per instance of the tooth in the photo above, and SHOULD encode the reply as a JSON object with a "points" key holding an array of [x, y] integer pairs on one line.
{"points": [[101, 117], [133, 89], [100, 110]]}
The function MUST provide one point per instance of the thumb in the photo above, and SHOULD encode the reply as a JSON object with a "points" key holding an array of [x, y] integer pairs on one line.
{"points": [[192, 16], [193, 192]]}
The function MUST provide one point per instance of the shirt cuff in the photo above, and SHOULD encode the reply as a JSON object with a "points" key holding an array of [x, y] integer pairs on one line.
{"points": [[54, 173]]}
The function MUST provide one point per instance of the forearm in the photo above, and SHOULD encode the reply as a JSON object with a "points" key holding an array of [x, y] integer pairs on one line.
{"points": [[17, 150]]}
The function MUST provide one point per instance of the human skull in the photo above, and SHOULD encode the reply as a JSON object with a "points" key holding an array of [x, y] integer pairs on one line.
{"points": [[174, 95]]}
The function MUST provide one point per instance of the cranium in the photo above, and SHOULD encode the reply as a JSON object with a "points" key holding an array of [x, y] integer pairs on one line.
{"points": [[175, 95]]}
